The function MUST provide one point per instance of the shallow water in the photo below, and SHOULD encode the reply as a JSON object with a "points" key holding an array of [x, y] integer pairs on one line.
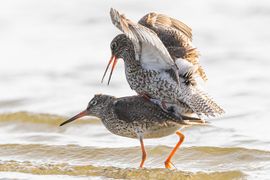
{"points": [[53, 55]]}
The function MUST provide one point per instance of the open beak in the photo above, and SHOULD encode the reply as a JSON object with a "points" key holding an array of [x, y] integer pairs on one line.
{"points": [[81, 114], [114, 61]]}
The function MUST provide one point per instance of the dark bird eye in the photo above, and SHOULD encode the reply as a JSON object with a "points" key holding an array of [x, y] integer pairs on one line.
{"points": [[94, 102], [113, 45]]}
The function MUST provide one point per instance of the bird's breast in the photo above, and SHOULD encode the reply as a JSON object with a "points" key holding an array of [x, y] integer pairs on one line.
{"points": [[148, 128]]}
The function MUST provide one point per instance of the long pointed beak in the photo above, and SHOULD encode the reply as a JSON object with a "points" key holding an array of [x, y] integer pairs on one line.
{"points": [[81, 114], [114, 60]]}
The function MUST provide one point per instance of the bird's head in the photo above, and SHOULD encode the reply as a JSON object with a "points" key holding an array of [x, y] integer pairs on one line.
{"points": [[96, 107], [121, 45]]}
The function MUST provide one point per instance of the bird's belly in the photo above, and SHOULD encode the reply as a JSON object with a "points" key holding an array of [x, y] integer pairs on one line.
{"points": [[154, 84], [161, 131], [160, 87], [146, 128]]}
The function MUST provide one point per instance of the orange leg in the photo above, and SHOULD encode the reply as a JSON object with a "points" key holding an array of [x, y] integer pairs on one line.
{"points": [[168, 163], [143, 153]]}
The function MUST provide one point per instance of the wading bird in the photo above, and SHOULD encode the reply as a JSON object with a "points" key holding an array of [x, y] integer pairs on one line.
{"points": [[136, 117]]}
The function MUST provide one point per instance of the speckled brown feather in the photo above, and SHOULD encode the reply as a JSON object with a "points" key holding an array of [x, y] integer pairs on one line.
{"points": [[154, 19], [151, 75], [134, 116], [176, 36], [142, 36]]}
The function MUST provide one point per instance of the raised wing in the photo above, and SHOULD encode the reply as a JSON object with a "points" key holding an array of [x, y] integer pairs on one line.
{"points": [[149, 49], [176, 37], [156, 20]]}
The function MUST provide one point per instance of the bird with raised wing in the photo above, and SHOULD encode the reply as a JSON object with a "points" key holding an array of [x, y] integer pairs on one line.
{"points": [[136, 117], [176, 37], [161, 63]]}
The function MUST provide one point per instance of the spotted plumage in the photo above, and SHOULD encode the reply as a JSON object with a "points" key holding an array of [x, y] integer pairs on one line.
{"points": [[124, 116], [176, 37], [152, 71], [135, 117]]}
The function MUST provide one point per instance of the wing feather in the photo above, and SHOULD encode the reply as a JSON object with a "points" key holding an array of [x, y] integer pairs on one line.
{"points": [[176, 37], [143, 37], [136, 108], [154, 19]]}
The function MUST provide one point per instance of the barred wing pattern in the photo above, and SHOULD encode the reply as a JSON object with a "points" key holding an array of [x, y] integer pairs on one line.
{"points": [[176, 36], [149, 49]]}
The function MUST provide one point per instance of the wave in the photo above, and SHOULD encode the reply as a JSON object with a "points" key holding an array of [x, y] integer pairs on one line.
{"points": [[37, 149], [200, 162], [113, 172], [76, 151]]}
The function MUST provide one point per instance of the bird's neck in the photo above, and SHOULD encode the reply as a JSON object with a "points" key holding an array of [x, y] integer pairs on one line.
{"points": [[131, 64], [106, 112]]}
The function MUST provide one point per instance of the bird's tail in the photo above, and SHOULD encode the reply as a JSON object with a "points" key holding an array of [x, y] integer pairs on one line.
{"points": [[202, 104], [189, 120]]}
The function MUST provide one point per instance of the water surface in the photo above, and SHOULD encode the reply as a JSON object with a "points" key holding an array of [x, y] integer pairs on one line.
{"points": [[53, 54]]}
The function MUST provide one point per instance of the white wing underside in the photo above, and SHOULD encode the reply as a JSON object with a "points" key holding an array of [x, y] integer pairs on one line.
{"points": [[151, 60], [185, 67], [149, 49]]}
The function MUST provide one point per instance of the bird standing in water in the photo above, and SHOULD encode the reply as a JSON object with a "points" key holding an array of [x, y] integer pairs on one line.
{"points": [[136, 117], [161, 63]]}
